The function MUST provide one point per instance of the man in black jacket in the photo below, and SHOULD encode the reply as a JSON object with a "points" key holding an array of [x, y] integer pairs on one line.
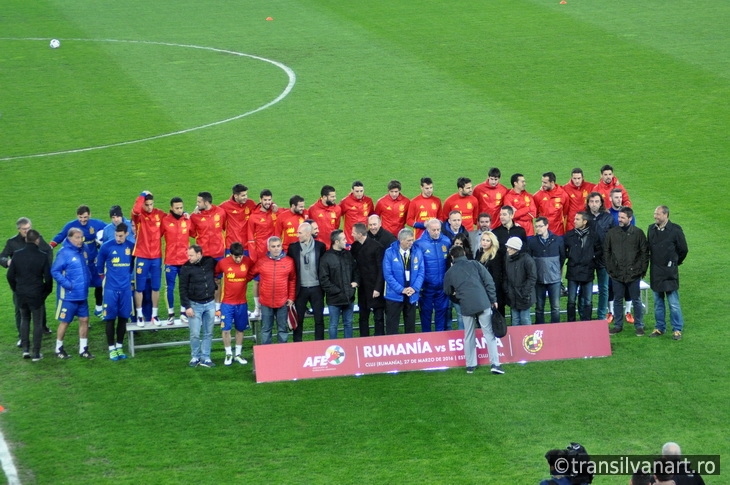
{"points": [[368, 254], [668, 248], [307, 254], [627, 259], [584, 254], [506, 229], [29, 276], [14, 244], [376, 231], [197, 295], [338, 277]]}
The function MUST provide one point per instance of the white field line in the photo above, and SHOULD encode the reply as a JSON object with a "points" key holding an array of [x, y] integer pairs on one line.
{"points": [[289, 72], [6, 460]]}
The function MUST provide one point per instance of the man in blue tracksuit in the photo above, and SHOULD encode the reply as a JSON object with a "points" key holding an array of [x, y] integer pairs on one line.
{"points": [[435, 247], [114, 263], [71, 271], [548, 251], [403, 273], [89, 228]]}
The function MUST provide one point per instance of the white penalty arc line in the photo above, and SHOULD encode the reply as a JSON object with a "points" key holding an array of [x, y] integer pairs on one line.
{"points": [[289, 72], [6, 460]]}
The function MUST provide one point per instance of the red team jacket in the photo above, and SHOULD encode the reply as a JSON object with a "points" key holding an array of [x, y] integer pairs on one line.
{"points": [[525, 210], [392, 212], [421, 209], [553, 205], [287, 225], [207, 229], [354, 211], [468, 206], [577, 198], [237, 215], [148, 230], [176, 232], [327, 218], [260, 229], [490, 200]]}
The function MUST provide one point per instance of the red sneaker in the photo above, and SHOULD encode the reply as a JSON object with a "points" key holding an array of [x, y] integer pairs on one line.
{"points": [[609, 317], [629, 318]]}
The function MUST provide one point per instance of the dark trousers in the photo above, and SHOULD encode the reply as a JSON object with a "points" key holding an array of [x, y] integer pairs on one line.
{"points": [[121, 329], [393, 311], [363, 302], [28, 311], [633, 289], [314, 296]]}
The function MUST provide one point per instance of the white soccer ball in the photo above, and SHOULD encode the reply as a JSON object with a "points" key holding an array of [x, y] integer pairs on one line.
{"points": [[55, 43]]}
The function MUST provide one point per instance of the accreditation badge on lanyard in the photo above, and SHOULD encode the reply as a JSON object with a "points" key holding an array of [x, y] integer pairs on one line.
{"points": [[407, 264]]}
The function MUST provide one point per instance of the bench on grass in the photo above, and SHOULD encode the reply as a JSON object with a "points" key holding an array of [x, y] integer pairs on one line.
{"points": [[133, 328]]}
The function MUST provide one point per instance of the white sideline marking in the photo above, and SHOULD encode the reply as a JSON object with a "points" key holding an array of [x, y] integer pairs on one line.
{"points": [[289, 72], [6, 460]]}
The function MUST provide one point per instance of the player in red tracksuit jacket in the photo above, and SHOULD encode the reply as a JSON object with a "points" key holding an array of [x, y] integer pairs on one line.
{"points": [[238, 209], [523, 204], [490, 195], [176, 231], [609, 182], [261, 226], [577, 189], [208, 221], [326, 213], [392, 209], [552, 203], [147, 222], [288, 222], [424, 207], [464, 202], [356, 207]]}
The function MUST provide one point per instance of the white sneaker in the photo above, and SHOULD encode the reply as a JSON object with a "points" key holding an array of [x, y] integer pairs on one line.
{"points": [[171, 319], [140, 322], [156, 321], [256, 314], [240, 360], [183, 319], [229, 359]]}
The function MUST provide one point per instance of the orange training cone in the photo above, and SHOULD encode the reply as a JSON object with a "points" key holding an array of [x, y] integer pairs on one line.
{"points": [[269, 18], [563, 2]]}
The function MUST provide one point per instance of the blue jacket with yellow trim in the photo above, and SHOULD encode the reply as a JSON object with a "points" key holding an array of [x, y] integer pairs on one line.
{"points": [[71, 271]]}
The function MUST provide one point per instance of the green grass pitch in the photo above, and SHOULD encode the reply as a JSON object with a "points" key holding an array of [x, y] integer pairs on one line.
{"points": [[383, 90]]}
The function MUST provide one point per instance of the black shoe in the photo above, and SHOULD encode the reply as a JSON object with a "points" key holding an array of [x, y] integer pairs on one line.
{"points": [[61, 354], [615, 330], [47, 331], [640, 332], [497, 369], [19, 344], [470, 370], [26, 355], [37, 357], [86, 354]]}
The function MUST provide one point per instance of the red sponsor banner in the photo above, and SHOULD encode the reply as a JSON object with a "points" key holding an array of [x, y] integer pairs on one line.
{"points": [[423, 351]]}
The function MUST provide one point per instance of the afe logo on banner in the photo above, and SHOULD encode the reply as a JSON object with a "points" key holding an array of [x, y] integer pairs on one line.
{"points": [[334, 355]]}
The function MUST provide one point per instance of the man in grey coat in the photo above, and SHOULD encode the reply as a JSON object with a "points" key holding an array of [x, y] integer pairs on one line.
{"points": [[471, 284]]}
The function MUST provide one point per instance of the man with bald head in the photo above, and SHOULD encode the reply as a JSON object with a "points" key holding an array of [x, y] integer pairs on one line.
{"points": [[307, 253]]}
